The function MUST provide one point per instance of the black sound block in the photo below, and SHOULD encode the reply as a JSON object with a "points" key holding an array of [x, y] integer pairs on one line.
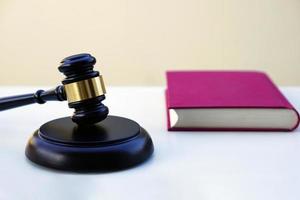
{"points": [[113, 144]]}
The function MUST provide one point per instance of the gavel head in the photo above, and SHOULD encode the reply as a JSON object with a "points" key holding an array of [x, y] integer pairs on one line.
{"points": [[84, 89]]}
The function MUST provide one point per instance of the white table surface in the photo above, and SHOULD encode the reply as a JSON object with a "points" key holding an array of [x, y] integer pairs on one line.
{"points": [[185, 165]]}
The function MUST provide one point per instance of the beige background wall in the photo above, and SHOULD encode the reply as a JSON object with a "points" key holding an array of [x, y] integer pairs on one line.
{"points": [[135, 41]]}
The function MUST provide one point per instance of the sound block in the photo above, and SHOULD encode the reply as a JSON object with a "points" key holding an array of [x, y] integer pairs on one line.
{"points": [[115, 143]]}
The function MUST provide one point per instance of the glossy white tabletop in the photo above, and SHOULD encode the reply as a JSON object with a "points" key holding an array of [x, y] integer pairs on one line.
{"points": [[185, 165]]}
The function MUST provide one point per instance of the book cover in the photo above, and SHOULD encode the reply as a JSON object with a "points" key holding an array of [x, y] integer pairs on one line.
{"points": [[224, 90]]}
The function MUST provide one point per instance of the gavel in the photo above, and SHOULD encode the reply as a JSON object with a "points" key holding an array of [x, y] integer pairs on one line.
{"points": [[83, 88], [90, 140]]}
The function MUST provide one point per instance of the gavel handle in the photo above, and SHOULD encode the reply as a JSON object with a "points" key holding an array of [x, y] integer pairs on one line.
{"points": [[40, 96]]}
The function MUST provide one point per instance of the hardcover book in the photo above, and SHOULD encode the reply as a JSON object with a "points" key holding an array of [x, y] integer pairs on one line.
{"points": [[226, 100]]}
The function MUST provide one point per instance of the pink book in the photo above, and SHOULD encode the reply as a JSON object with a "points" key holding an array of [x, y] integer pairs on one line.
{"points": [[226, 101]]}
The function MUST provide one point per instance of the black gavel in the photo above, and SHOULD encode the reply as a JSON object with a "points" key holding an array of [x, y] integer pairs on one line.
{"points": [[96, 141], [83, 88]]}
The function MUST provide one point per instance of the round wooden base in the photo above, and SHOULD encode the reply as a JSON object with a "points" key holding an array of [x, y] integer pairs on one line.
{"points": [[114, 144]]}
